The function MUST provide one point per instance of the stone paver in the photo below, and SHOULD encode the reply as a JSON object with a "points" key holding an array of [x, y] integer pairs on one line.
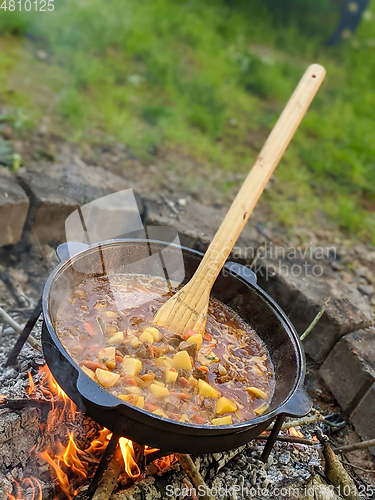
{"points": [[14, 205], [301, 291], [56, 190], [349, 370]]}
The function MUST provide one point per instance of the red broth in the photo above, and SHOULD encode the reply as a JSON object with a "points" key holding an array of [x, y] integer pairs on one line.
{"points": [[223, 377]]}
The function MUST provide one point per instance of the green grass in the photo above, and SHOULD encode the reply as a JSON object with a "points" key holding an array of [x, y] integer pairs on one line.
{"points": [[207, 79]]}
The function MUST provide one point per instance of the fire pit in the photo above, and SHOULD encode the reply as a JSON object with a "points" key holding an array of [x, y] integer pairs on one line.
{"points": [[74, 447]]}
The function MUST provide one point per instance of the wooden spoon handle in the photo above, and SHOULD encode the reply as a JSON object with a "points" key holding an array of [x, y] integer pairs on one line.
{"points": [[278, 140]]}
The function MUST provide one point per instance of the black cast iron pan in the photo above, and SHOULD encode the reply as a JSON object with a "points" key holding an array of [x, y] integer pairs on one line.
{"points": [[236, 286]]}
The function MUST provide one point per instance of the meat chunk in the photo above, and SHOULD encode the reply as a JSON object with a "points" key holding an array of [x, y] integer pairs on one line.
{"points": [[124, 349], [174, 341], [189, 347], [199, 374], [143, 351]]}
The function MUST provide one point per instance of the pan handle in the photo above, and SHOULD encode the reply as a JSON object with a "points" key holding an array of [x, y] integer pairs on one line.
{"points": [[236, 269], [298, 406], [66, 250]]}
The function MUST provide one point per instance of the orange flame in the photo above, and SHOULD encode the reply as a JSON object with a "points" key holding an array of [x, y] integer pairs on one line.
{"points": [[68, 457], [53, 389], [293, 432], [31, 389], [127, 450], [2, 398], [27, 483], [71, 459], [149, 450], [101, 442], [61, 476], [65, 460]]}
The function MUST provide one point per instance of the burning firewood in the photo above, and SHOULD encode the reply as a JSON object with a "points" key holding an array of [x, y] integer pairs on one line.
{"points": [[195, 476], [111, 476], [309, 419]]}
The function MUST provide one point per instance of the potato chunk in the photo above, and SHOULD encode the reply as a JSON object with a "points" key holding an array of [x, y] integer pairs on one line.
{"points": [[132, 340], [133, 399], [132, 389], [261, 409], [224, 405], [116, 338], [108, 357], [88, 372], [131, 366], [160, 412], [140, 402], [158, 391], [106, 378], [254, 391], [196, 339], [146, 336], [181, 361], [164, 361], [156, 334], [222, 420], [206, 390], [170, 376]]}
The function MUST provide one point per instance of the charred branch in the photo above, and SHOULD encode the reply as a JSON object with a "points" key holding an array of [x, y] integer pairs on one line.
{"points": [[194, 475], [356, 446], [290, 439], [111, 477], [335, 471]]}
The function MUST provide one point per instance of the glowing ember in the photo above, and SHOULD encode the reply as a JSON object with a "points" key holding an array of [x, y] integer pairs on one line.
{"points": [[2, 398], [293, 432], [127, 450]]}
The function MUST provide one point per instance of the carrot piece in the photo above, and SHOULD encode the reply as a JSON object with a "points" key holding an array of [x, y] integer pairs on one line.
{"points": [[203, 369], [195, 408], [128, 380], [188, 334], [151, 350], [193, 382], [151, 407], [183, 381], [147, 377], [89, 329], [181, 395], [207, 336], [93, 365], [196, 419], [192, 361]]}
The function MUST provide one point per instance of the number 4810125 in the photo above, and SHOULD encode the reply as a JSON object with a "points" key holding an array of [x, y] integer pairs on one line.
{"points": [[27, 5]]}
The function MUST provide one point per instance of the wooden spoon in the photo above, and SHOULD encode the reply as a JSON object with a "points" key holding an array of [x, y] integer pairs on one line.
{"points": [[187, 309]]}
